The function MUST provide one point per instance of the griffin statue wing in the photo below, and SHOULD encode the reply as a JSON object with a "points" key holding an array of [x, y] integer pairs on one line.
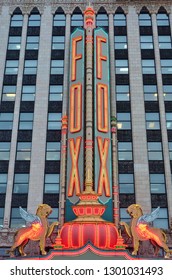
{"points": [[148, 218], [29, 218]]}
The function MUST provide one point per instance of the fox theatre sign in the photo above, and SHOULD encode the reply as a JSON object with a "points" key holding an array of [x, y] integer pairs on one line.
{"points": [[89, 132]]}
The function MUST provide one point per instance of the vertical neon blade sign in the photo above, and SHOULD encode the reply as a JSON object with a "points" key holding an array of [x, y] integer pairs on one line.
{"points": [[75, 166], [102, 133]]}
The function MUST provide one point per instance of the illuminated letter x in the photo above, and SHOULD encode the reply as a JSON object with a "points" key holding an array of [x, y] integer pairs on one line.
{"points": [[103, 176], [74, 175]]}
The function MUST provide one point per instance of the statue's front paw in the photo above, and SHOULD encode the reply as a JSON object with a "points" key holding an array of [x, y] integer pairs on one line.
{"points": [[134, 253], [44, 253]]}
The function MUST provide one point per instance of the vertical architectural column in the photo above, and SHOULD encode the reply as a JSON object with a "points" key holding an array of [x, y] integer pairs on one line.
{"points": [[170, 18], [64, 123], [113, 124], [36, 184], [141, 170], [15, 123], [89, 24], [4, 23], [162, 116]]}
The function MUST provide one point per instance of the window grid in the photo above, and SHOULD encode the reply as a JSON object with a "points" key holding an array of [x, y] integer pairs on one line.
{"points": [[23, 151], [6, 121], [152, 121], [53, 151], [125, 151], [5, 150], [21, 183], [8, 93], [52, 182], [54, 121], [3, 182], [155, 151]]}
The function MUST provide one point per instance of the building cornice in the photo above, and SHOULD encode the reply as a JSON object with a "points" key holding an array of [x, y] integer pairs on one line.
{"points": [[68, 6]]}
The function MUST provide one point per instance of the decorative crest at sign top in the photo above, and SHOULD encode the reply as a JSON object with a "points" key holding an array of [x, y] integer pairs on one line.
{"points": [[89, 19]]}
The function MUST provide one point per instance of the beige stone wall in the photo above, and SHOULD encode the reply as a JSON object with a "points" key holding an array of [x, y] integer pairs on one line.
{"points": [[41, 102]]}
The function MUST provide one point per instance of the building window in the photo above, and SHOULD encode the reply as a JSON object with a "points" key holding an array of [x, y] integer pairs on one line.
{"points": [[30, 67], [124, 120], [11, 67], [28, 93], [54, 121], [166, 66], [58, 43], [101, 20], [165, 42], [34, 20], [59, 20], [54, 215], [155, 151], [148, 66], [145, 20], [124, 216], [24, 151], [170, 149], [32, 43], [167, 91], [1, 216], [5, 150], [152, 121], [14, 43], [162, 220], [16, 220], [122, 93], [16, 21], [8, 93], [52, 183], [126, 183], [169, 120], [125, 151], [146, 42], [26, 121], [77, 20], [157, 183], [53, 151], [3, 182], [6, 121], [121, 66], [150, 93], [56, 93], [120, 42], [57, 67], [162, 20], [119, 20], [21, 183]]}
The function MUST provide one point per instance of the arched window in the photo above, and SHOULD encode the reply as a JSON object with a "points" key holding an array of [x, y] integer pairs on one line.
{"points": [[145, 17], [77, 18], [102, 18]]}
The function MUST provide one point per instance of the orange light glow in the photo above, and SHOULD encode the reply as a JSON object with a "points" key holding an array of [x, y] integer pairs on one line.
{"points": [[75, 56], [103, 182], [102, 107], [75, 108], [100, 56], [74, 182], [147, 233]]}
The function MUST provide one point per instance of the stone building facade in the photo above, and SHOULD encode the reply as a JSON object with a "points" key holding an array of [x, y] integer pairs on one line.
{"points": [[34, 85]]}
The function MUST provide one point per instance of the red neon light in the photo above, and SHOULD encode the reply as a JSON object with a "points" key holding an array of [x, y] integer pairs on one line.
{"points": [[101, 235]]}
